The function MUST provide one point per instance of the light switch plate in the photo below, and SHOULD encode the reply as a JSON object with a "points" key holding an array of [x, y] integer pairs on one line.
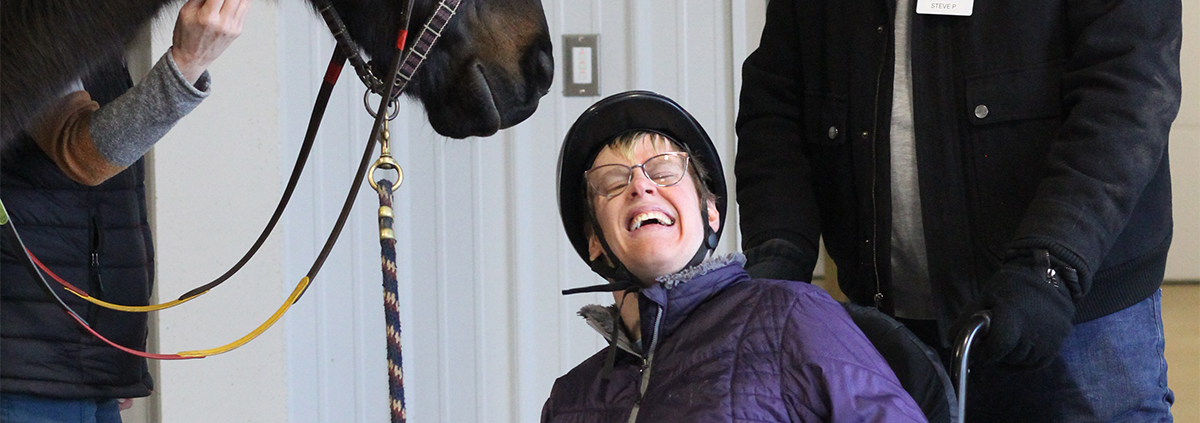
{"points": [[581, 76]]}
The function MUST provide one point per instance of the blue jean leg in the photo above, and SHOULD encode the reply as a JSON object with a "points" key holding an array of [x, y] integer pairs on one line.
{"points": [[34, 409], [1111, 369]]}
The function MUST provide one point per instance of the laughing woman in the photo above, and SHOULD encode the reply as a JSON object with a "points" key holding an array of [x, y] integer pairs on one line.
{"points": [[695, 339]]}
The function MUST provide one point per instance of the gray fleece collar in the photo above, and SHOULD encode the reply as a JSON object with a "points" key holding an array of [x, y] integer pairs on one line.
{"points": [[602, 320], [674, 279]]}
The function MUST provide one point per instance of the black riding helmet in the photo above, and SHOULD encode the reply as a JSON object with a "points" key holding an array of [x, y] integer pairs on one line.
{"points": [[608, 119]]}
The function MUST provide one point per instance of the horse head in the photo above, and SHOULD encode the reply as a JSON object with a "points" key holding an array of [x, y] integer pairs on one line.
{"points": [[487, 71]]}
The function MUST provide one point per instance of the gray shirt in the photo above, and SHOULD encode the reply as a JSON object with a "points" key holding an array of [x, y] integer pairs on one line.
{"points": [[912, 294]]}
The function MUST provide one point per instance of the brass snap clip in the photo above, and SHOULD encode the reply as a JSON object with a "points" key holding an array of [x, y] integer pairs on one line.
{"points": [[385, 160]]}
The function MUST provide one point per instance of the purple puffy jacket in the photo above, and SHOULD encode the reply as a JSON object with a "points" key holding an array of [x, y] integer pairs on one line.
{"points": [[723, 347]]}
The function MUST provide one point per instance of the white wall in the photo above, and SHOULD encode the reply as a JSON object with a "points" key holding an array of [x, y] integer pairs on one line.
{"points": [[216, 178], [1183, 261], [481, 255]]}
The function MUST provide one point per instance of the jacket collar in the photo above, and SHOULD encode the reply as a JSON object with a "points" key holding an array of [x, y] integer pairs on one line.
{"points": [[670, 281], [602, 320], [676, 295]]}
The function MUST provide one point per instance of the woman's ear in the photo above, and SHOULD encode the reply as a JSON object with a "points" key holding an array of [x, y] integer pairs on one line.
{"points": [[714, 217], [594, 248]]}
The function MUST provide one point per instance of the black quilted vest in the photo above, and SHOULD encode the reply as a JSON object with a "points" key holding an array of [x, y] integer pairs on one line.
{"points": [[96, 238]]}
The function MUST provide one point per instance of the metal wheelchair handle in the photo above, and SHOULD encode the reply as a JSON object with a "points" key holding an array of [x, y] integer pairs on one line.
{"points": [[976, 328]]}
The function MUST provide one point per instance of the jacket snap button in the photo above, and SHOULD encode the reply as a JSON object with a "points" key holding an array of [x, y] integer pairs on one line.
{"points": [[833, 132], [981, 111]]}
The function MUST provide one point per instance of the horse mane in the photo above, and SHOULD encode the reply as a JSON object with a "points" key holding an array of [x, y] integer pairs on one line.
{"points": [[47, 44], [488, 77]]}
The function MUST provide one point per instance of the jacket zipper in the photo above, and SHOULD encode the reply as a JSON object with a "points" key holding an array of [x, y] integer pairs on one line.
{"points": [[645, 369], [1051, 275], [874, 168], [97, 286]]}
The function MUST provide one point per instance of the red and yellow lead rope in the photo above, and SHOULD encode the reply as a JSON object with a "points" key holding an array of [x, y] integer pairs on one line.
{"points": [[283, 308], [84, 295], [38, 268]]}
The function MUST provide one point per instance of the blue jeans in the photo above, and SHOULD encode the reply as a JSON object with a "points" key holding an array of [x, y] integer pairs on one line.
{"points": [[1111, 369], [33, 409]]}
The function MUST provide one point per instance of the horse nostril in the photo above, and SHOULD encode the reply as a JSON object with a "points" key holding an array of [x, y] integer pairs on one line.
{"points": [[543, 68]]}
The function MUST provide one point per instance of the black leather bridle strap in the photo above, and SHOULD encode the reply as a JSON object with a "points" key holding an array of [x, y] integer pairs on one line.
{"points": [[347, 45], [412, 60], [32, 263], [314, 123], [319, 106]]}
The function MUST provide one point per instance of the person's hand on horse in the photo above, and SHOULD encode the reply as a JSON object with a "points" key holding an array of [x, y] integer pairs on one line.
{"points": [[203, 31]]}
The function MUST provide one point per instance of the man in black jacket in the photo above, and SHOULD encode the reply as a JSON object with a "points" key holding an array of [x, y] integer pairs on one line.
{"points": [[75, 186], [957, 157]]}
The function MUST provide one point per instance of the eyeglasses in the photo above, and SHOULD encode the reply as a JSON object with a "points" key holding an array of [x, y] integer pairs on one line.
{"points": [[664, 170]]}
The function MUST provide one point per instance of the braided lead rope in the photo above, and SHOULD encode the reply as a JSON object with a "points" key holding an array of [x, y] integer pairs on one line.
{"points": [[391, 302]]}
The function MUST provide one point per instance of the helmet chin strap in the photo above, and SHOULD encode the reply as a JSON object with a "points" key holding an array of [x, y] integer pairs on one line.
{"points": [[710, 240], [621, 280]]}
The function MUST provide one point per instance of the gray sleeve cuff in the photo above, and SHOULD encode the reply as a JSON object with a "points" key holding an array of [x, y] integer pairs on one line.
{"points": [[126, 128]]}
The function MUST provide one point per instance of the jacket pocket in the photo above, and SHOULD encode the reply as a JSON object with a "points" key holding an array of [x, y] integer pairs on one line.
{"points": [[1014, 116], [1025, 93]]}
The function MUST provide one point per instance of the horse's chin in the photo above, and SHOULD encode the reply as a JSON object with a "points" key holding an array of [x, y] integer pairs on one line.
{"points": [[473, 112]]}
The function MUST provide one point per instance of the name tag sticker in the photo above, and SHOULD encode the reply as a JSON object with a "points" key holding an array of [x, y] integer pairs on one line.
{"points": [[945, 7]]}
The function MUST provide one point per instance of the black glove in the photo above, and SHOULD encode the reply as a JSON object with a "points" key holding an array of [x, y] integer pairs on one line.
{"points": [[779, 259], [1031, 311]]}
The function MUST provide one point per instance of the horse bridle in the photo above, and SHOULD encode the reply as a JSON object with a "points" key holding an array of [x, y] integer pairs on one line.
{"points": [[412, 60], [399, 76]]}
